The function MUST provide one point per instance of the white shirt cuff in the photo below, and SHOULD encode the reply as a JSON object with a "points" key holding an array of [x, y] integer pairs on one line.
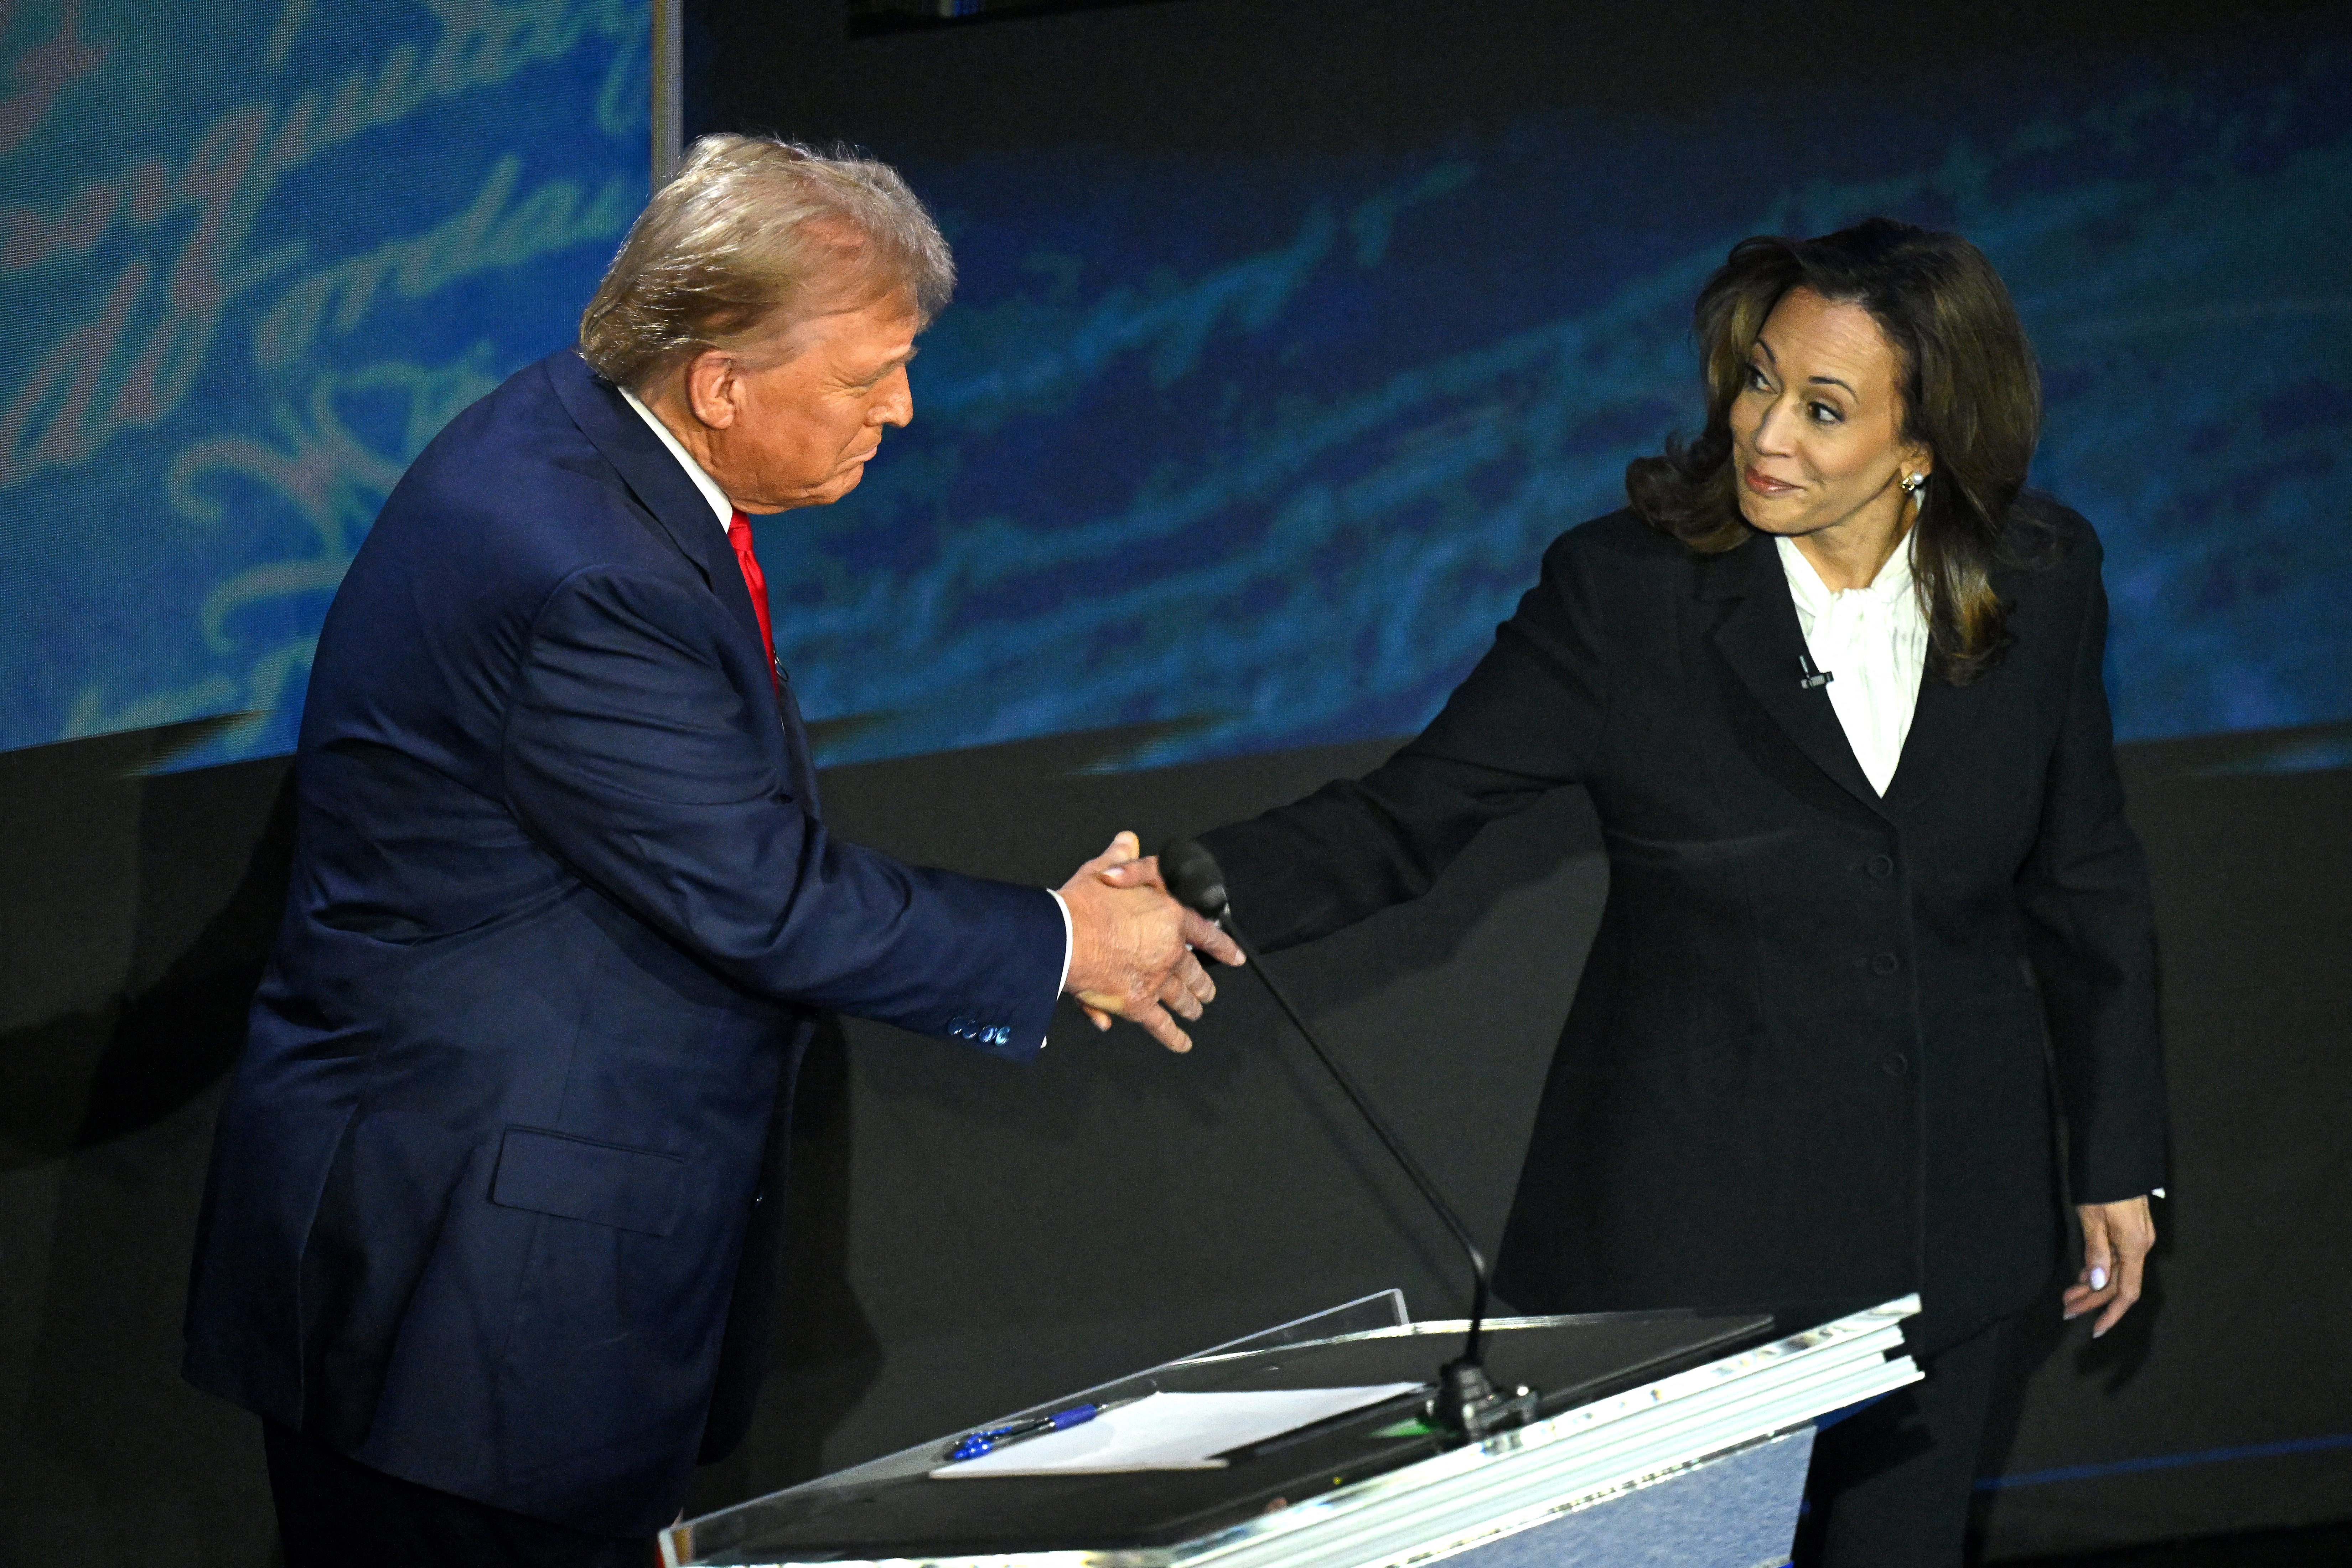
{"points": [[1069, 946]]}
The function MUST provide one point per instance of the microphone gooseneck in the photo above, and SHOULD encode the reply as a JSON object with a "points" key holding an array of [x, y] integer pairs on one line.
{"points": [[1466, 1404]]}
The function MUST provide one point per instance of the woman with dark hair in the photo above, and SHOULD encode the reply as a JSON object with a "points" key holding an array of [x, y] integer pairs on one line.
{"points": [[1833, 684]]}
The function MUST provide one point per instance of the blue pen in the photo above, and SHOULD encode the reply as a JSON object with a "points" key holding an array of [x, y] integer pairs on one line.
{"points": [[987, 1441]]}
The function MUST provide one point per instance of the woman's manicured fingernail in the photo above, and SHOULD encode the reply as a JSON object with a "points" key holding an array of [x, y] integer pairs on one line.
{"points": [[2098, 1279], [2099, 1330]]}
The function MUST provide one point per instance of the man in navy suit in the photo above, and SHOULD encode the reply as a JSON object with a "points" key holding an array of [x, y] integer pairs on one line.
{"points": [[474, 1241]]}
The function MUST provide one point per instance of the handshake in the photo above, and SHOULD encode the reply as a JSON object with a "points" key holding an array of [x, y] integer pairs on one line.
{"points": [[1132, 946]]}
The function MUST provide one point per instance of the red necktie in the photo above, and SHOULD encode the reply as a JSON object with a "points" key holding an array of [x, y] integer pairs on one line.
{"points": [[739, 534]]}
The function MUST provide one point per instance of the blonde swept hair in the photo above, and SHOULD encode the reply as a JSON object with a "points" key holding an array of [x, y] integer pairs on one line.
{"points": [[752, 234]]}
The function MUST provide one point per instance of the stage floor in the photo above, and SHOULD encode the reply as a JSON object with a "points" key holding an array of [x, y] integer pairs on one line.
{"points": [[2329, 1546]]}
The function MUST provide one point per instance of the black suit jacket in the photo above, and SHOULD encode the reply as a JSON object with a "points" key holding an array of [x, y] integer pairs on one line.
{"points": [[1806, 1060]]}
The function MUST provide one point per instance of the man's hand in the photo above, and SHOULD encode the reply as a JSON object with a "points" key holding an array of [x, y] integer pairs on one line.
{"points": [[2115, 1242], [1130, 948]]}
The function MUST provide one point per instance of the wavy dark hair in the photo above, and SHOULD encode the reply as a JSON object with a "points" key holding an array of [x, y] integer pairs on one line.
{"points": [[1971, 394]]}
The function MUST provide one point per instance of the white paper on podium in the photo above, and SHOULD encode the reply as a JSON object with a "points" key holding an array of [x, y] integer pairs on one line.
{"points": [[1171, 1432]]}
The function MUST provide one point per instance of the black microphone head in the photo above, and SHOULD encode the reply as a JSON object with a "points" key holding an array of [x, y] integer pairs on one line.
{"points": [[1194, 878]]}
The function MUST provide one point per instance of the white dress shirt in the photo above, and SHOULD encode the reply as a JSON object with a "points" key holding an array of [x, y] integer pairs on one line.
{"points": [[724, 510], [1874, 641]]}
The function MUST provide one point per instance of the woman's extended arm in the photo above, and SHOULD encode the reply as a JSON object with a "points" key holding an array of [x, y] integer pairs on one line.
{"points": [[1528, 719]]}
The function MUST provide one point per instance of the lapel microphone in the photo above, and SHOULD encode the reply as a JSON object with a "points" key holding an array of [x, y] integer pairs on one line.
{"points": [[1807, 677]]}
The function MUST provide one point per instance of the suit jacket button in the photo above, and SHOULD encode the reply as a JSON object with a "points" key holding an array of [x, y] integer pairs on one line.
{"points": [[1881, 865], [1884, 963], [1894, 1064]]}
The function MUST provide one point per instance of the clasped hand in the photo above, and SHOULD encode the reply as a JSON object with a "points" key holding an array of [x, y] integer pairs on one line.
{"points": [[1132, 946]]}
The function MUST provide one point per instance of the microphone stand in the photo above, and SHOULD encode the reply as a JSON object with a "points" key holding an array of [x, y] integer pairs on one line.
{"points": [[1468, 1404]]}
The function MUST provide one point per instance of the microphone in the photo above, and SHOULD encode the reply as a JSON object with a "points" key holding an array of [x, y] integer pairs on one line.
{"points": [[1468, 1404]]}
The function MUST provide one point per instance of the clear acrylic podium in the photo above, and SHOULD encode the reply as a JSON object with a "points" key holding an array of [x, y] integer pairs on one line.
{"points": [[1663, 1437]]}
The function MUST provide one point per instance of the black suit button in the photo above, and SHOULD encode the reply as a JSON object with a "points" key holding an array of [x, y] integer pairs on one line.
{"points": [[1894, 1064], [1884, 963], [1881, 865]]}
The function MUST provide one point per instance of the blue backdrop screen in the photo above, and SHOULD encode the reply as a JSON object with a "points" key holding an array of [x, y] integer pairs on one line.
{"points": [[252, 255], [1260, 448]]}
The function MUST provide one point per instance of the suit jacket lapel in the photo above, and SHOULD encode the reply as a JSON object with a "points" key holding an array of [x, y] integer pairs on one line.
{"points": [[1942, 723], [656, 480], [662, 487], [1760, 639]]}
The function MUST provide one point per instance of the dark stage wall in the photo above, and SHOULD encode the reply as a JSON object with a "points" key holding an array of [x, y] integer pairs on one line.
{"points": [[971, 1237]]}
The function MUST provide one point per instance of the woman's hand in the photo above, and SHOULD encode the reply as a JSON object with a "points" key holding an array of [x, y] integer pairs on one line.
{"points": [[1187, 988], [2116, 1240]]}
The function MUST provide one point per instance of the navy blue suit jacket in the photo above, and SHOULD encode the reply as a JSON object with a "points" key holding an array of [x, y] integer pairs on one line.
{"points": [[563, 910]]}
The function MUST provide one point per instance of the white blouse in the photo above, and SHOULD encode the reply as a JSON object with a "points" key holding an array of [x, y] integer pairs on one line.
{"points": [[1874, 642]]}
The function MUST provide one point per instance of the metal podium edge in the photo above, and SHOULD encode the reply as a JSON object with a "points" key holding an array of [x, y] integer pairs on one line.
{"points": [[1469, 1496], [1575, 1460]]}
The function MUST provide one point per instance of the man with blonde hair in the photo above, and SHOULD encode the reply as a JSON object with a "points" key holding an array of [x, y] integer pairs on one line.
{"points": [[486, 1235]]}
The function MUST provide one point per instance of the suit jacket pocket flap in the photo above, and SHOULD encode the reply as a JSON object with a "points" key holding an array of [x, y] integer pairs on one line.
{"points": [[603, 1183]]}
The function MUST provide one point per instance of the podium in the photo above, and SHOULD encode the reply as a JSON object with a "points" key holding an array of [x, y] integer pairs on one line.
{"points": [[1661, 1437]]}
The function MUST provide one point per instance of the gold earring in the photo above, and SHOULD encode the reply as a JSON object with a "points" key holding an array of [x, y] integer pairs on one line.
{"points": [[1911, 483]]}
